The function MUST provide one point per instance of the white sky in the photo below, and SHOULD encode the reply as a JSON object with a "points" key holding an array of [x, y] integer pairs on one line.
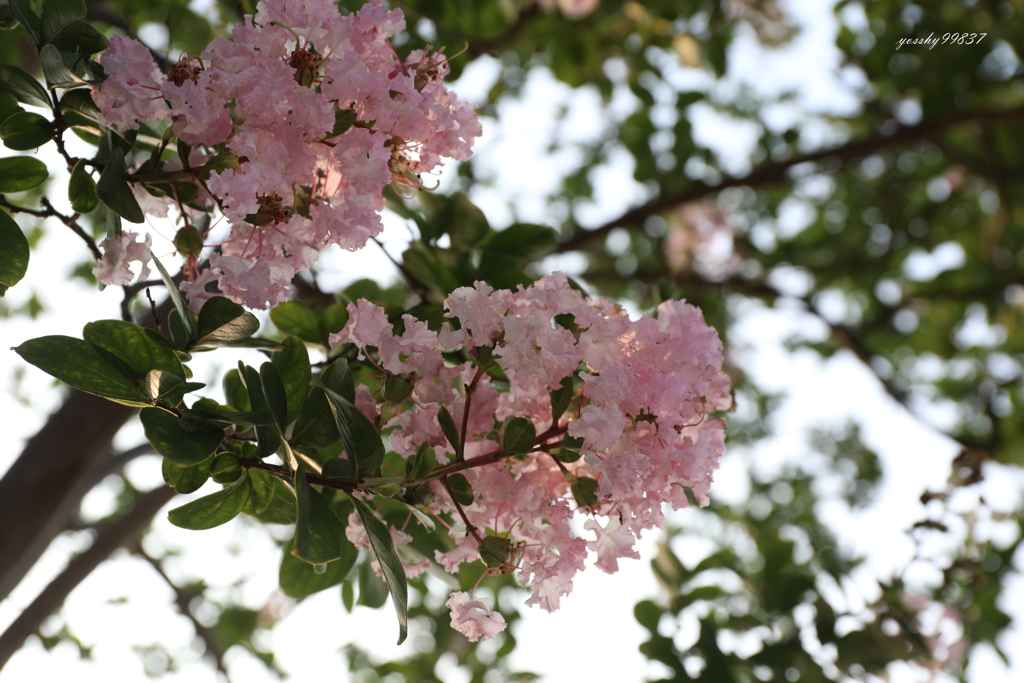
{"points": [[595, 632]]}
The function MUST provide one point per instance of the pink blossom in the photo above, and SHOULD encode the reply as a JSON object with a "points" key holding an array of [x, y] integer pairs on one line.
{"points": [[118, 252], [474, 618], [131, 92]]}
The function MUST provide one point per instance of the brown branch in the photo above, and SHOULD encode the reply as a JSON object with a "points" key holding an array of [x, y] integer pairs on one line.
{"points": [[776, 173], [50, 212], [109, 537]]}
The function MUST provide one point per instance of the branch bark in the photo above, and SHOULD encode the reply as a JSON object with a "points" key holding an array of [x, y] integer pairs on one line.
{"points": [[109, 537], [43, 489], [772, 174]]}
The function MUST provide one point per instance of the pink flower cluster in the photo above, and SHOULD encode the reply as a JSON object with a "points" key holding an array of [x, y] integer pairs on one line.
{"points": [[642, 412], [271, 95]]}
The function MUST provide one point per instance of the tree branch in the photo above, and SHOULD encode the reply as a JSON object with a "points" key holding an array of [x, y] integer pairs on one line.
{"points": [[775, 173], [108, 538]]}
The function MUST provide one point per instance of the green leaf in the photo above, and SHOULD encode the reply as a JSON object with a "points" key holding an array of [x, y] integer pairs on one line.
{"points": [[569, 451], [262, 490], [168, 387], [56, 72], [82, 189], [27, 89], [292, 363], [62, 26], [8, 105], [225, 468], [268, 437], [466, 223], [361, 441], [18, 174], [343, 120], [185, 479], [319, 534], [132, 346], [516, 245], [214, 509], [234, 390], [390, 564], [113, 190], [421, 463], [86, 367], [461, 489], [57, 15], [26, 130], [274, 392], [584, 491], [294, 318], [518, 437], [298, 579], [561, 398], [348, 596], [373, 592], [316, 425], [183, 441], [451, 432], [187, 326], [222, 321], [22, 11], [80, 38], [337, 377], [14, 251], [338, 469]]}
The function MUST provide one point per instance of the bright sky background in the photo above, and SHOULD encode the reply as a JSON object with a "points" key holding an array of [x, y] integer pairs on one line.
{"points": [[125, 604]]}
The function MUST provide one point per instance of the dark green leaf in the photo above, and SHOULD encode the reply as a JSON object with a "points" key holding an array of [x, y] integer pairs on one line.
{"points": [[14, 252], [343, 120], [214, 509], [339, 469], [167, 387], [397, 388], [133, 346], [518, 437], [316, 425], [421, 463], [515, 245], [268, 436], [569, 451], [584, 492], [22, 11], [55, 71], [348, 596], [82, 189], [299, 580], [292, 363], [183, 441], [451, 432], [185, 479], [294, 318], [373, 592], [113, 190], [80, 38], [26, 130], [338, 378], [262, 490], [27, 89], [390, 564], [360, 438], [461, 489], [222, 320], [319, 534], [85, 366], [274, 392], [185, 320], [18, 174], [234, 390], [8, 105], [561, 398], [57, 14], [225, 468]]}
